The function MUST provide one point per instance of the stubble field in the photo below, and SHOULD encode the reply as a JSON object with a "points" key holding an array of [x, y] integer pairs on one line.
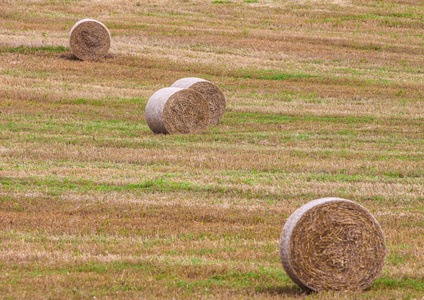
{"points": [[324, 98]]}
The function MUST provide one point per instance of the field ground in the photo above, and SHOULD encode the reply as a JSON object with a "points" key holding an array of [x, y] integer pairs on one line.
{"points": [[325, 98]]}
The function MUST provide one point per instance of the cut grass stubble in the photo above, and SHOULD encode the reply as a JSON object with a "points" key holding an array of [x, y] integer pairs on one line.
{"points": [[323, 99]]}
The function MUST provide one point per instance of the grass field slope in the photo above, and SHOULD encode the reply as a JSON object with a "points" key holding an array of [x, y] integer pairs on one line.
{"points": [[324, 98]]}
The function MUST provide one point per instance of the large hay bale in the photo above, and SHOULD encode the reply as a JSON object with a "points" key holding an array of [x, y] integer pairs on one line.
{"points": [[212, 93], [332, 244], [89, 39], [177, 110]]}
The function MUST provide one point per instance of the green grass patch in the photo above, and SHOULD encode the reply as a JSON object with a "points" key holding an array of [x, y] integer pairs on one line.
{"points": [[270, 75], [246, 117], [399, 283], [31, 50]]}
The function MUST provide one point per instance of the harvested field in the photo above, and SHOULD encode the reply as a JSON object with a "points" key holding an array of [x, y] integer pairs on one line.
{"points": [[324, 99]]}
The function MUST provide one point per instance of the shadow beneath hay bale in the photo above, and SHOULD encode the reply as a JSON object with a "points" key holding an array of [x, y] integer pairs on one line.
{"points": [[111, 55], [72, 57], [69, 56], [282, 290]]}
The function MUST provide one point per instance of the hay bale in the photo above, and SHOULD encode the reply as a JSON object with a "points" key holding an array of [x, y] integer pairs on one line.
{"points": [[89, 39], [332, 244], [177, 110], [211, 92]]}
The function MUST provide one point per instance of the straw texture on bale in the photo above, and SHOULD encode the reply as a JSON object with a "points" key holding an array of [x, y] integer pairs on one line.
{"points": [[332, 244], [89, 40], [212, 93], [177, 110]]}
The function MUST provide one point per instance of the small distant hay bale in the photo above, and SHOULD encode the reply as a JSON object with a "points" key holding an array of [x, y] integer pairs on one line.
{"points": [[332, 244], [177, 110], [89, 40], [212, 93]]}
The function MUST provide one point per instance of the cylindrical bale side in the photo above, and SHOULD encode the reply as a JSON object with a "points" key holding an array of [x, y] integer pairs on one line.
{"points": [[177, 110], [212, 93], [332, 244], [89, 39]]}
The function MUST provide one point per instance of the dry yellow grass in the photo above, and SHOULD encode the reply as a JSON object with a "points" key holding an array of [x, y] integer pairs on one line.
{"points": [[324, 98]]}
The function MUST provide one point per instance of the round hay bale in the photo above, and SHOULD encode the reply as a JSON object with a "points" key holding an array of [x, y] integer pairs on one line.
{"points": [[177, 110], [212, 93], [332, 244], [89, 40]]}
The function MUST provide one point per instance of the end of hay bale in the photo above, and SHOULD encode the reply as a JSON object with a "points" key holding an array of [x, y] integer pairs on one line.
{"points": [[177, 110], [210, 91], [332, 244], [89, 40]]}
